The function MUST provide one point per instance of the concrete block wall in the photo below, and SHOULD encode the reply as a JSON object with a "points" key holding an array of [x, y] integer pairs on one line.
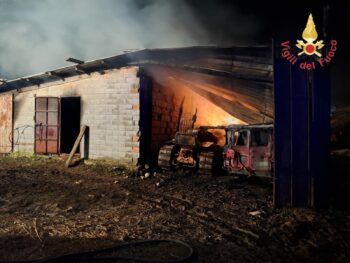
{"points": [[109, 106], [165, 114]]}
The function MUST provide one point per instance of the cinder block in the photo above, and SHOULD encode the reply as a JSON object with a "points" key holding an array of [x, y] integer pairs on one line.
{"points": [[125, 106], [131, 79], [134, 131], [128, 144], [126, 112]]}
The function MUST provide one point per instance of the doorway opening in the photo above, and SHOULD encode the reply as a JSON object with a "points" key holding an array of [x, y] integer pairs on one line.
{"points": [[70, 123]]}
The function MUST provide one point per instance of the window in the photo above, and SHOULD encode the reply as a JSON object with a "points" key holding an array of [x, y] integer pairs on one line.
{"points": [[241, 138], [259, 137]]}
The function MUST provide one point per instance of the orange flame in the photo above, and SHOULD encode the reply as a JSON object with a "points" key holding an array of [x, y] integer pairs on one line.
{"points": [[182, 86]]}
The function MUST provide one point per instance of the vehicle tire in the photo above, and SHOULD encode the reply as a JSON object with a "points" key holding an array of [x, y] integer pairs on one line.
{"points": [[165, 156], [206, 163]]}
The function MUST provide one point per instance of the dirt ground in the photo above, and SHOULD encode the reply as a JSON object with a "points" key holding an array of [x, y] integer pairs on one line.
{"points": [[46, 210]]}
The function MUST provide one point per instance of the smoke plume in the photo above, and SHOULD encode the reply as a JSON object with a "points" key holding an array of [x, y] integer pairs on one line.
{"points": [[38, 35]]}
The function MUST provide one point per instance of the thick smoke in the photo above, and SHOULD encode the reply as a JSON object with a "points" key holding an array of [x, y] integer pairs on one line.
{"points": [[37, 35]]}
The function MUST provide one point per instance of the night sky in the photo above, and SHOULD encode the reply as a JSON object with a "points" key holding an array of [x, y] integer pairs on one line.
{"points": [[37, 35], [283, 20]]}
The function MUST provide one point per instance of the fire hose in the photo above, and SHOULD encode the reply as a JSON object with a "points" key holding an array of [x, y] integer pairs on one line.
{"points": [[92, 256]]}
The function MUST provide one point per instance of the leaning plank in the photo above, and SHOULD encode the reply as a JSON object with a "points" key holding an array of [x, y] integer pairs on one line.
{"points": [[76, 144]]}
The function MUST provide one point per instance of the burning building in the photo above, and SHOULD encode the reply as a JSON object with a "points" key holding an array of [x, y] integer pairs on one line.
{"points": [[133, 102]]}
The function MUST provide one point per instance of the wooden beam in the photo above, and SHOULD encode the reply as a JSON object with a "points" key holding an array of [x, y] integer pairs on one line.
{"points": [[31, 81], [104, 63], [76, 145], [238, 73], [54, 74], [81, 70], [106, 66], [74, 60], [8, 85]]}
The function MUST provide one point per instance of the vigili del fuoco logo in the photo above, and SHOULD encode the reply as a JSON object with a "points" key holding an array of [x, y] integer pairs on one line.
{"points": [[309, 47]]}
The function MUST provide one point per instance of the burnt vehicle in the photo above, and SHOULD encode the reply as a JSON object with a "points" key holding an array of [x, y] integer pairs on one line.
{"points": [[195, 149], [249, 150]]}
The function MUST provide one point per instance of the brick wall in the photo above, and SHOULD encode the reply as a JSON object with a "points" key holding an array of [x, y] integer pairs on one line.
{"points": [[165, 114], [109, 106]]}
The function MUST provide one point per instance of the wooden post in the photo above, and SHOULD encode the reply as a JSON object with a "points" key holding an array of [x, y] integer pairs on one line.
{"points": [[86, 143], [76, 144]]}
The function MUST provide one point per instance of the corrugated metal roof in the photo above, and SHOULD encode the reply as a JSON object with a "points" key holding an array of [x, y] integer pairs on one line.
{"points": [[248, 63]]}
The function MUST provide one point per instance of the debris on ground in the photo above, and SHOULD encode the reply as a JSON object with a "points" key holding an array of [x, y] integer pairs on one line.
{"points": [[46, 210], [255, 213]]}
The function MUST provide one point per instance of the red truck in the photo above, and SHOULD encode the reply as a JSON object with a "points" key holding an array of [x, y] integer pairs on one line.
{"points": [[249, 150]]}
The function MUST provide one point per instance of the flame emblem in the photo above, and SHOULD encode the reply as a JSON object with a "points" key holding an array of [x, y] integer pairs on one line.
{"points": [[310, 35]]}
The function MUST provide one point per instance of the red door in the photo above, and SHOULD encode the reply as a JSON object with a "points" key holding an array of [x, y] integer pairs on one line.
{"points": [[46, 125]]}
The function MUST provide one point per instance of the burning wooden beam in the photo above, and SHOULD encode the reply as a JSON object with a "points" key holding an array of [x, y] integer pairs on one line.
{"points": [[245, 101], [235, 109], [237, 72]]}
